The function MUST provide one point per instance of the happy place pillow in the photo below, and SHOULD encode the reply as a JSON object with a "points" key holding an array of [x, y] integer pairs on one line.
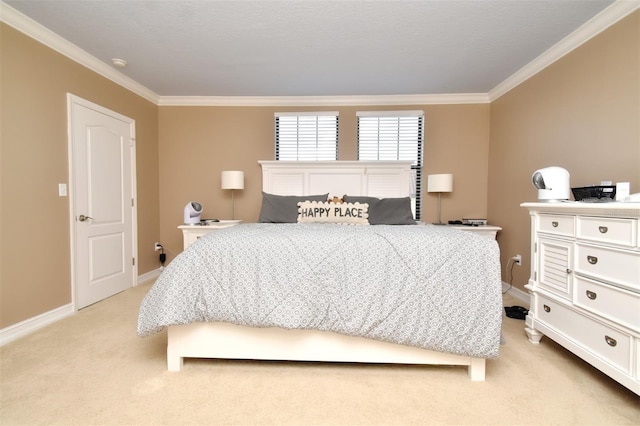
{"points": [[284, 208], [386, 211], [325, 212]]}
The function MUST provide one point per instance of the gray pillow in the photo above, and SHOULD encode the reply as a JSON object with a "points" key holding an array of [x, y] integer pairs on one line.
{"points": [[284, 208], [386, 211]]}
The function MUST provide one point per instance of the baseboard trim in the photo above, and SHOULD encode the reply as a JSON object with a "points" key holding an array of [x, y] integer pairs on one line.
{"points": [[148, 276], [522, 296], [28, 326]]}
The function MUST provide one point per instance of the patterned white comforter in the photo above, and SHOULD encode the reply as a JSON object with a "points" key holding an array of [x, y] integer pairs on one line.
{"points": [[428, 286]]}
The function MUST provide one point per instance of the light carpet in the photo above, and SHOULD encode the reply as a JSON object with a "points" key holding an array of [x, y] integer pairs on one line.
{"points": [[92, 369]]}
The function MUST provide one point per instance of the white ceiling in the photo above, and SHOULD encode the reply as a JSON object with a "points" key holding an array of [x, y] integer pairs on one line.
{"points": [[315, 48]]}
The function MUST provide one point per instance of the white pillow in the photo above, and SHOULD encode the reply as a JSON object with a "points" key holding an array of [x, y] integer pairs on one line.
{"points": [[324, 212]]}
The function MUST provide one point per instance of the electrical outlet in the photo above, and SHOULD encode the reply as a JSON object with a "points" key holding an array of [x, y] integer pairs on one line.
{"points": [[518, 259], [157, 246]]}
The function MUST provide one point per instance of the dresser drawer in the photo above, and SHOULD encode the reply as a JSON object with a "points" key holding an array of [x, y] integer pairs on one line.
{"points": [[608, 230], [616, 266], [194, 235], [615, 304], [611, 345], [557, 224]]}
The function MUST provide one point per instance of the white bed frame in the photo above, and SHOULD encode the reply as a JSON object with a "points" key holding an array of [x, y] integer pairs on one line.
{"points": [[229, 341]]}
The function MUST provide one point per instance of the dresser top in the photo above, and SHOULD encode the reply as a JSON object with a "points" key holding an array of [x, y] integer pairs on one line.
{"points": [[614, 209]]}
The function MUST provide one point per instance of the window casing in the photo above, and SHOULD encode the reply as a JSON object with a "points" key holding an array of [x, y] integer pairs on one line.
{"points": [[394, 135], [310, 136]]}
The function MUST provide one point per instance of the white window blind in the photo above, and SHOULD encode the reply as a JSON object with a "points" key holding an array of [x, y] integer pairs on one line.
{"points": [[394, 135], [306, 136]]}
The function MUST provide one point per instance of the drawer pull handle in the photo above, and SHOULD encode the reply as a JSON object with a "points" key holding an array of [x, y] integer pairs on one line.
{"points": [[568, 271], [603, 229], [610, 341], [592, 260], [554, 224], [546, 308], [592, 295]]}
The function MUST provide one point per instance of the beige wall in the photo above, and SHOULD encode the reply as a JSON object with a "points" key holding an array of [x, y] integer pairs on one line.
{"points": [[581, 113], [35, 271], [197, 143]]}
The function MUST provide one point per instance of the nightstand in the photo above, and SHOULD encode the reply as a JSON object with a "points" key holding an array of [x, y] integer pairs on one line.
{"points": [[191, 233], [486, 230]]}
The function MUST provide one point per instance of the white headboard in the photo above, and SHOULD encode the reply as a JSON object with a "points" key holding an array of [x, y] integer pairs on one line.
{"points": [[382, 179]]}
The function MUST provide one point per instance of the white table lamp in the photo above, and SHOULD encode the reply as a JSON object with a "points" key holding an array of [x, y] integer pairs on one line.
{"points": [[440, 183], [232, 179]]}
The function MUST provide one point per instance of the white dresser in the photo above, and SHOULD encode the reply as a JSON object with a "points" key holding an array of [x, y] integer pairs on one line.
{"points": [[191, 233], [585, 283]]}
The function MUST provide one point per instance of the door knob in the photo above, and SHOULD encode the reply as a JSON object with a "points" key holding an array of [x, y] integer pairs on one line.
{"points": [[82, 218]]}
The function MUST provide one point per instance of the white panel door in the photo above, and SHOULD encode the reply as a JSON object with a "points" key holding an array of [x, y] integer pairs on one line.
{"points": [[102, 147]]}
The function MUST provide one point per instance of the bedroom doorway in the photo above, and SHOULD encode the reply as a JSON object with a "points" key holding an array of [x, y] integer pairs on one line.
{"points": [[102, 209]]}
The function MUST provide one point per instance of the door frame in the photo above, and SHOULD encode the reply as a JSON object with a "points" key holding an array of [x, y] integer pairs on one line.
{"points": [[76, 100]]}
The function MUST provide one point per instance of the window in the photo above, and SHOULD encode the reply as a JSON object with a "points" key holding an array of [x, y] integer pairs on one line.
{"points": [[394, 135], [306, 136]]}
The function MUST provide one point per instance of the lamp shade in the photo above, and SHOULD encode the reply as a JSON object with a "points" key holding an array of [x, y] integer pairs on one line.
{"points": [[440, 183], [232, 179]]}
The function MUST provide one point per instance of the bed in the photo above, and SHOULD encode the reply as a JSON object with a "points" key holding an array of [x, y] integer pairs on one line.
{"points": [[350, 288]]}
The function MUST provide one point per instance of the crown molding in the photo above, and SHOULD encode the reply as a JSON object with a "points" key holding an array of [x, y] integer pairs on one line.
{"points": [[615, 12], [609, 16], [453, 98], [38, 32]]}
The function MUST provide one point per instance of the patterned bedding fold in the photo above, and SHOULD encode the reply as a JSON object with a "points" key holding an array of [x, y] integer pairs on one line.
{"points": [[427, 286]]}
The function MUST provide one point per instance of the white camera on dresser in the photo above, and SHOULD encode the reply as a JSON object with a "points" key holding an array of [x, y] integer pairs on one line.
{"points": [[585, 283]]}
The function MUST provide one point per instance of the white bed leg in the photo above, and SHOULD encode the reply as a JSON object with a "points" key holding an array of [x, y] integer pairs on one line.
{"points": [[174, 363], [174, 356], [477, 369]]}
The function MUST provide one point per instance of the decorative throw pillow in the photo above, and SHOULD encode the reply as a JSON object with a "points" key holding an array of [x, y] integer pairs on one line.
{"points": [[345, 213], [386, 211], [284, 208]]}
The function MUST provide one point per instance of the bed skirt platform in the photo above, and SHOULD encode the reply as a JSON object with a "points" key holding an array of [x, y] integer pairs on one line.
{"points": [[229, 341]]}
